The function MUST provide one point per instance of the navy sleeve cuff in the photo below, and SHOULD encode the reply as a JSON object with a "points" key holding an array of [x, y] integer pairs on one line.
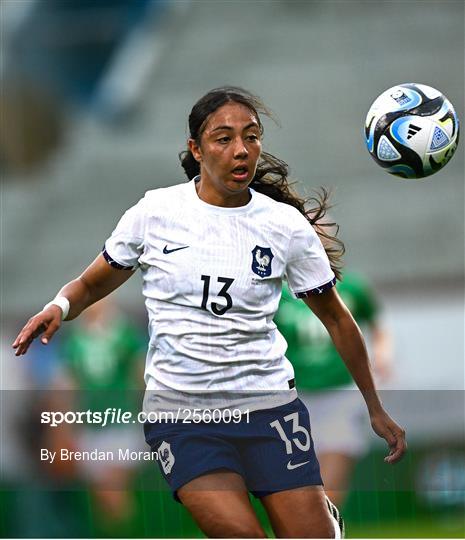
{"points": [[317, 290], [113, 263]]}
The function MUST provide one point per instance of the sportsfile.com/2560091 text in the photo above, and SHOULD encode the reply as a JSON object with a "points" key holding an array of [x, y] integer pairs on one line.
{"points": [[112, 415]]}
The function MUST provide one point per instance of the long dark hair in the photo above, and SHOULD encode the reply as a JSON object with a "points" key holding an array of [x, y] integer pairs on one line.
{"points": [[271, 177]]}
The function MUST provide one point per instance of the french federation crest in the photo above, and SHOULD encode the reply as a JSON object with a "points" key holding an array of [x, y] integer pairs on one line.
{"points": [[166, 457], [261, 261]]}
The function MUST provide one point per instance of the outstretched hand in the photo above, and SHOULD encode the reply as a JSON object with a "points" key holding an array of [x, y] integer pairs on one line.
{"points": [[47, 322], [384, 426]]}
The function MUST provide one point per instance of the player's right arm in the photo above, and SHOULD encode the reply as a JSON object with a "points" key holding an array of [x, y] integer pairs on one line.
{"points": [[96, 282]]}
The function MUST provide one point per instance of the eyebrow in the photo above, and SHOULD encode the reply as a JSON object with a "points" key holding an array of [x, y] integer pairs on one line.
{"points": [[248, 126]]}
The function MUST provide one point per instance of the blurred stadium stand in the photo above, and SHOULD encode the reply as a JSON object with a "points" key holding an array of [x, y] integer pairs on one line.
{"points": [[318, 75]]}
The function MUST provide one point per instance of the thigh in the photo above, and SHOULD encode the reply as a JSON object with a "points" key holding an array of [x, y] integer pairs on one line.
{"points": [[300, 513], [220, 505]]}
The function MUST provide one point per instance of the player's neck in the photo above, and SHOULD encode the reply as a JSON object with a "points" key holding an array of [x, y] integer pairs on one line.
{"points": [[211, 196]]}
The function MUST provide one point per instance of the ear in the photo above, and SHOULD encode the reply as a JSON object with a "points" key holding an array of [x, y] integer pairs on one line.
{"points": [[195, 150]]}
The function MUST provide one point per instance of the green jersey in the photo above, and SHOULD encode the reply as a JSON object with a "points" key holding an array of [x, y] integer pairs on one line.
{"points": [[317, 364], [103, 364]]}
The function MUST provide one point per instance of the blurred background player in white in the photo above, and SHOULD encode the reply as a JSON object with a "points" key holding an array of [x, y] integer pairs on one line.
{"points": [[206, 327], [337, 412]]}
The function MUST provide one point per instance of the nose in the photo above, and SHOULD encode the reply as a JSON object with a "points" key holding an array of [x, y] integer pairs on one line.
{"points": [[240, 150]]}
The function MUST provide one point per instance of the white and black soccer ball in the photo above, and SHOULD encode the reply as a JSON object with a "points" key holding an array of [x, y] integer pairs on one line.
{"points": [[412, 130]]}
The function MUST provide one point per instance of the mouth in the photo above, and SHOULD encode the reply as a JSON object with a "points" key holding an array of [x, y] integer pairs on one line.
{"points": [[241, 172]]}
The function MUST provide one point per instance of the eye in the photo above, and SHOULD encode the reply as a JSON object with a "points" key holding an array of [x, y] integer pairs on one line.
{"points": [[223, 140], [252, 137]]}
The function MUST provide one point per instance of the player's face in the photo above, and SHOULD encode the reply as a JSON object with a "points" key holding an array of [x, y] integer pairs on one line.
{"points": [[229, 150]]}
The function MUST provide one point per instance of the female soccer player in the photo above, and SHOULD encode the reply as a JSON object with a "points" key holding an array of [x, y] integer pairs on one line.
{"points": [[213, 253]]}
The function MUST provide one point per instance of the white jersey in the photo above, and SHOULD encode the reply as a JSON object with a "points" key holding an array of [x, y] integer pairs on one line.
{"points": [[212, 283]]}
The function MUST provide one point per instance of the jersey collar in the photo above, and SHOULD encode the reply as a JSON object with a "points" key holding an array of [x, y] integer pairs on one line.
{"points": [[211, 208]]}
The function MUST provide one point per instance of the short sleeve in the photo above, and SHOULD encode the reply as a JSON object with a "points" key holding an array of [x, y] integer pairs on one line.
{"points": [[308, 270], [126, 243]]}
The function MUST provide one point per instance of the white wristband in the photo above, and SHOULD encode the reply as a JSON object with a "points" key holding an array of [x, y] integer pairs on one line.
{"points": [[63, 303]]}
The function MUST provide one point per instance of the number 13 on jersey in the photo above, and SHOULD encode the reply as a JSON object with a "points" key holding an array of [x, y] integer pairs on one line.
{"points": [[216, 308]]}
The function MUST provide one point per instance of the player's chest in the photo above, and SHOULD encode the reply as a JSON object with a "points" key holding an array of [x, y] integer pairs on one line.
{"points": [[227, 249]]}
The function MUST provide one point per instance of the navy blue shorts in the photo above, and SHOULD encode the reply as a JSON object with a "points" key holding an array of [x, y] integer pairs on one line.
{"points": [[273, 451]]}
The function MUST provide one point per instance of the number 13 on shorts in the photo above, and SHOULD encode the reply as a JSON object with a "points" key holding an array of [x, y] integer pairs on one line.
{"points": [[303, 443]]}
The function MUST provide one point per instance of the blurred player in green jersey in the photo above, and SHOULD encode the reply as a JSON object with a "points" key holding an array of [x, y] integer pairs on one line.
{"points": [[324, 383], [103, 362]]}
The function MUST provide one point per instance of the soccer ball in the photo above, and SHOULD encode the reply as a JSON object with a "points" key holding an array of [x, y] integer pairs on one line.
{"points": [[412, 130]]}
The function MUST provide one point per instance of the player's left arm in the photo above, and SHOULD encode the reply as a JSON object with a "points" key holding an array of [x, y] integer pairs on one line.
{"points": [[349, 342]]}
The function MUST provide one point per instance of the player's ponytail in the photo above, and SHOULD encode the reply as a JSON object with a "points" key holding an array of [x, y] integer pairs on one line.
{"points": [[271, 177]]}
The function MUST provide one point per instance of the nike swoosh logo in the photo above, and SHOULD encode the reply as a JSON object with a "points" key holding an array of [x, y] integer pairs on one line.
{"points": [[166, 250], [290, 466]]}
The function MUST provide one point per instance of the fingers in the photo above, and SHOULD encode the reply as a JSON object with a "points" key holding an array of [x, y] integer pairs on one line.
{"points": [[46, 322], [27, 335], [398, 446], [393, 434], [49, 332]]}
